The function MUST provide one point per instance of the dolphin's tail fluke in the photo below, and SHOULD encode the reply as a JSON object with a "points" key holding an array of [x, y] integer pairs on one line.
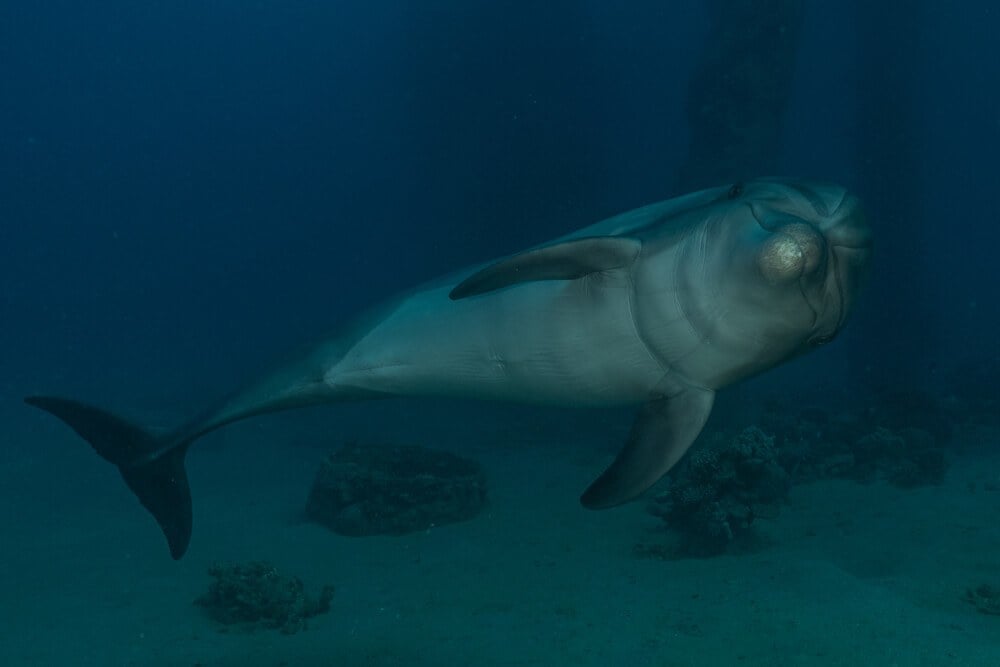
{"points": [[152, 466]]}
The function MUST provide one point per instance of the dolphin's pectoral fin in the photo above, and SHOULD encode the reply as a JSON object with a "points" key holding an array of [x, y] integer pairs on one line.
{"points": [[664, 429], [562, 261]]}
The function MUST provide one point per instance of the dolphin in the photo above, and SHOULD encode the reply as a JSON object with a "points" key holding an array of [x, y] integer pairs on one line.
{"points": [[661, 306]]}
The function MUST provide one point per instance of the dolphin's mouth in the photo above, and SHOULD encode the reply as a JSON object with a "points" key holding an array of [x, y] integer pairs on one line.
{"points": [[833, 307], [850, 240], [848, 269], [836, 276]]}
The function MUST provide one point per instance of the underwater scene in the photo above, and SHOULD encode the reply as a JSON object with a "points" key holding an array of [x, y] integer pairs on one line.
{"points": [[499, 333]]}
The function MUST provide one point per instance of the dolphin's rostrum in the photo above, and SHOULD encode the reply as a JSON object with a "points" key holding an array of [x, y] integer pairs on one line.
{"points": [[660, 306]]}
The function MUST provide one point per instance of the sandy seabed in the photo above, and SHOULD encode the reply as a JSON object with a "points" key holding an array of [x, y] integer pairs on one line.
{"points": [[847, 574]]}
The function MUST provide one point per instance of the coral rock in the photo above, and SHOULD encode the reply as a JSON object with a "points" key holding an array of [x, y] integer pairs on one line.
{"points": [[254, 595], [394, 490]]}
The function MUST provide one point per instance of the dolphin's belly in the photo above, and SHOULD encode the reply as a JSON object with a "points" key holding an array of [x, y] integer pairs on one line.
{"points": [[561, 342]]}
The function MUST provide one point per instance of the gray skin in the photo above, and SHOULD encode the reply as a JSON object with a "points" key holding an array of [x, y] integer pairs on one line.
{"points": [[660, 306]]}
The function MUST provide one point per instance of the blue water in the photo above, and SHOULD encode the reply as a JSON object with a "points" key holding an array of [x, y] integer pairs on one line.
{"points": [[189, 190]]}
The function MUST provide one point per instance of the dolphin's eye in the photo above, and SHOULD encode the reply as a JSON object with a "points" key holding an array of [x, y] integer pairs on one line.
{"points": [[735, 191]]}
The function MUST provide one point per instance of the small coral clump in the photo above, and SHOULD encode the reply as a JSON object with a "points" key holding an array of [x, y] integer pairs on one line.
{"points": [[986, 599], [255, 596], [716, 497], [906, 458], [861, 446]]}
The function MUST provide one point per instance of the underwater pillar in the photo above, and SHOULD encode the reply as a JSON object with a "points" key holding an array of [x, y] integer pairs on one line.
{"points": [[739, 90], [897, 309]]}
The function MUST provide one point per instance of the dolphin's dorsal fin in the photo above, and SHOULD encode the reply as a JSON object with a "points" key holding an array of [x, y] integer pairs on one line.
{"points": [[662, 432], [562, 261]]}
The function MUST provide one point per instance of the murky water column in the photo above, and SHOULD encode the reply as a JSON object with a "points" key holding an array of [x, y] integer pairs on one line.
{"points": [[738, 94], [897, 309]]}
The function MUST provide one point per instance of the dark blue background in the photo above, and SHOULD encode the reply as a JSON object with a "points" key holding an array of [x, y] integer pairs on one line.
{"points": [[187, 189]]}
